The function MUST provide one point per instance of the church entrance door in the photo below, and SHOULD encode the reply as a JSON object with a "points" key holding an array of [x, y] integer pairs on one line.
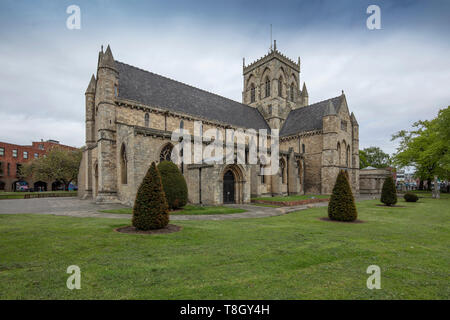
{"points": [[228, 187]]}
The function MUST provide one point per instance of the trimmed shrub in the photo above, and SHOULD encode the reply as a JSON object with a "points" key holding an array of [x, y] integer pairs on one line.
{"points": [[410, 197], [342, 204], [150, 210], [389, 193], [174, 184]]}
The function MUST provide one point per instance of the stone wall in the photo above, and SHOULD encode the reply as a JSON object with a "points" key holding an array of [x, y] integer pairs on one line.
{"points": [[371, 180], [124, 137]]}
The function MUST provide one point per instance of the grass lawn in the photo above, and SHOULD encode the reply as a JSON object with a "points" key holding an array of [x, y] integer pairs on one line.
{"points": [[188, 210], [21, 195], [294, 256], [294, 198]]}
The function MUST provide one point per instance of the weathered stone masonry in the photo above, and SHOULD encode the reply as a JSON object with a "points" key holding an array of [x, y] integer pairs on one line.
{"points": [[131, 114]]}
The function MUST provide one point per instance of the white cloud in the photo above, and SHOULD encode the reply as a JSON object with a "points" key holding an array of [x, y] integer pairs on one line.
{"points": [[389, 81]]}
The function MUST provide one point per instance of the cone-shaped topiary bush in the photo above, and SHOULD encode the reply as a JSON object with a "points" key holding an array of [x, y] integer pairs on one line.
{"points": [[174, 184], [389, 193], [342, 204], [150, 209]]}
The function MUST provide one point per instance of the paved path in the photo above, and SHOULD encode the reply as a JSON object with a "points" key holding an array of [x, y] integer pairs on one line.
{"points": [[75, 207]]}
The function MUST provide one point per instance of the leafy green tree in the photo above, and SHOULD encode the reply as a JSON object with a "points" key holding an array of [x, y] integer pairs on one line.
{"points": [[150, 210], [57, 165], [374, 157], [388, 192], [174, 184], [363, 163], [426, 147], [342, 204]]}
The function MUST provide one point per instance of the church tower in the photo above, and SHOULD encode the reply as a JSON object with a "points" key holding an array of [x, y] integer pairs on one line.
{"points": [[272, 85], [105, 124]]}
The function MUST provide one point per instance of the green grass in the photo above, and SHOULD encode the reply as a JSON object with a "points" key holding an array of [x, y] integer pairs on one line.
{"points": [[21, 195], [187, 210], [293, 198], [293, 256]]}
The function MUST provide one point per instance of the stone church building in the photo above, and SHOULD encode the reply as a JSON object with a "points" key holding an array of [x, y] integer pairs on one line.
{"points": [[131, 114]]}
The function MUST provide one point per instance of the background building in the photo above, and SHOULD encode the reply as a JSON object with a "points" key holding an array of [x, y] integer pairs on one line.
{"points": [[12, 156]]}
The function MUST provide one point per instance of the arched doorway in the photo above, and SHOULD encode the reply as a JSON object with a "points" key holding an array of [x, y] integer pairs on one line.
{"points": [[40, 186], [233, 184], [228, 187], [123, 165]]}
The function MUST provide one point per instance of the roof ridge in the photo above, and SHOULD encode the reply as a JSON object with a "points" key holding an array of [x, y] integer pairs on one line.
{"points": [[314, 104], [185, 84]]}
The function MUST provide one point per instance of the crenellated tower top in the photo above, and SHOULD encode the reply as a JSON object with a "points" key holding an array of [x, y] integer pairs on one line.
{"points": [[272, 85]]}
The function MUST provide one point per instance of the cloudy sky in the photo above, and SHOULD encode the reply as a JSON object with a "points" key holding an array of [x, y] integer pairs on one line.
{"points": [[392, 76]]}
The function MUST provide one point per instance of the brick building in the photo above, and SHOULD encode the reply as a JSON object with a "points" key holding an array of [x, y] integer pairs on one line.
{"points": [[12, 156]]}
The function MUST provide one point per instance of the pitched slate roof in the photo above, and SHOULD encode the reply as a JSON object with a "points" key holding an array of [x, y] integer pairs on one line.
{"points": [[154, 90], [308, 118]]}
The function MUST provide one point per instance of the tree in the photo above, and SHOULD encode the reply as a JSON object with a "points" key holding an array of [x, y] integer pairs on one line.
{"points": [[150, 210], [174, 184], [388, 192], [342, 204], [375, 157], [426, 147], [363, 163], [57, 165]]}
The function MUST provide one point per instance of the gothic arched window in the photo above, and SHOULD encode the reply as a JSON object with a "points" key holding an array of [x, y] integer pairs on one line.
{"points": [[147, 120], [291, 93], [280, 86], [252, 93], [166, 153], [267, 87], [181, 124], [339, 152], [347, 159], [303, 148], [344, 152], [123, 164]]}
